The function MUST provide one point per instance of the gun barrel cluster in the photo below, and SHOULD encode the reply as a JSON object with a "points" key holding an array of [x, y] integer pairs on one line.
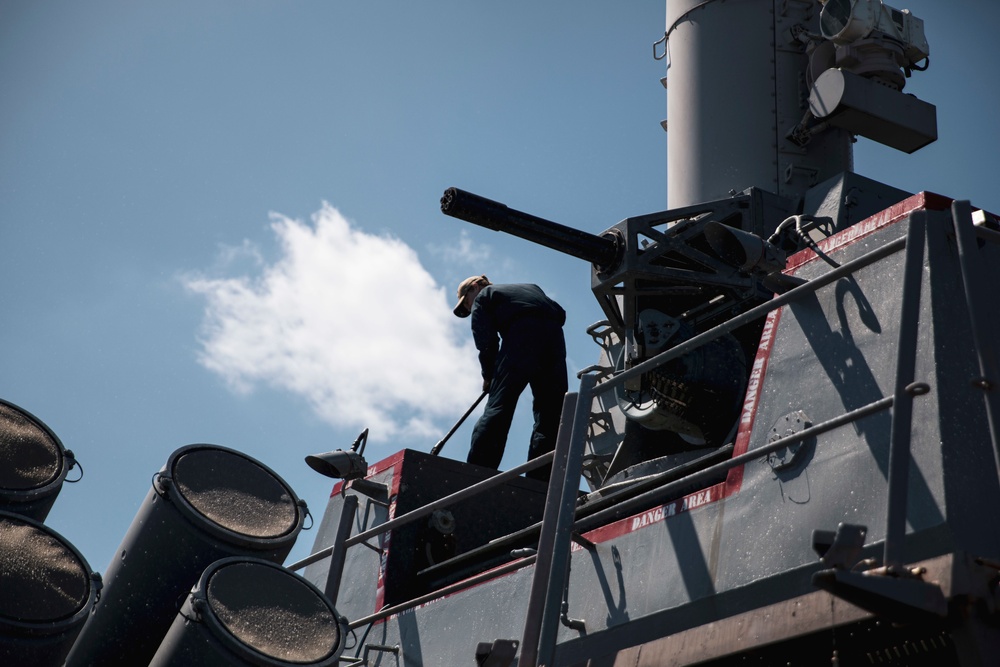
{"points": [[601, 251]]}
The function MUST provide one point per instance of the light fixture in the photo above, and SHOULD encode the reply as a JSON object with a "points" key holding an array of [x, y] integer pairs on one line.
{"points": [[847, 21], [339, 464]]}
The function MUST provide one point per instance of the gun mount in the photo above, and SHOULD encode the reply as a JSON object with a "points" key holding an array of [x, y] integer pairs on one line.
{"points": [[666, 277], [660, 280]]}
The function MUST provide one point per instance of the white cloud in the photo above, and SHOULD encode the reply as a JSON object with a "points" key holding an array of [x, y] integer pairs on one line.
{"points": [[350, 321], [464, 251]]}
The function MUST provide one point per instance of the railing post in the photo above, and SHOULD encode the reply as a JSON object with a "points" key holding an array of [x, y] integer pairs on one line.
{"points": [[544, 605], [902, 406], [559, 570], [348, 512], [546, 537], [975, 285]]}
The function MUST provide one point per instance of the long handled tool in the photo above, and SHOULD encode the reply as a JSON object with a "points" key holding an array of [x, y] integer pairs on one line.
{"points": [[437, 448]]}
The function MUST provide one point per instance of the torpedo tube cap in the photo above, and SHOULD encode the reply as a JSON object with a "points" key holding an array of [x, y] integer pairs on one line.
{"points": [[246, 611], [207, 503], [48, 591], [230, 496], [33, 463]]}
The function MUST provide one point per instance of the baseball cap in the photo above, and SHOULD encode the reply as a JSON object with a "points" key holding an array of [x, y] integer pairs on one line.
{"points": [[463, 289]]}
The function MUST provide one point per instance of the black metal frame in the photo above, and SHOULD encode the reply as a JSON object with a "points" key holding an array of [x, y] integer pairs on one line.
{"points": [[665, 255]]}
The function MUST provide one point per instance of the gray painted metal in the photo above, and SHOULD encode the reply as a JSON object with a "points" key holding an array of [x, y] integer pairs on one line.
{"points": [[902, 414], [733, 549], [560, 524], [546, 562], [736, 86], [974, 282], [335, 572], [868, 108], [848, 198]]}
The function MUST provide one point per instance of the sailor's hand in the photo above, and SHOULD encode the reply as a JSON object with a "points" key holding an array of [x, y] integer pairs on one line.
{"points": [[486, 385]]}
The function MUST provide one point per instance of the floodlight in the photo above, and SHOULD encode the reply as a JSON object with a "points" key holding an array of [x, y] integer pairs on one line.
{"points": [[339, 464], [847, 21]]}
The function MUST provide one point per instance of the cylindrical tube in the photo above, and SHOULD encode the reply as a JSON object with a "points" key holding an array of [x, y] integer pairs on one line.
{"points": [[602, 251], [735, 90], [207, 503], [47, 592], [33, 463], [255, 613]]}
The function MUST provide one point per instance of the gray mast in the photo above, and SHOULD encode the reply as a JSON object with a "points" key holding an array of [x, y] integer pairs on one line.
{"points": [[738, 82]]}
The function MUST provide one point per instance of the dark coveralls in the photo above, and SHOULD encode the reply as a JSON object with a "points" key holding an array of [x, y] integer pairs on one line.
{"points": [[533, 353]]}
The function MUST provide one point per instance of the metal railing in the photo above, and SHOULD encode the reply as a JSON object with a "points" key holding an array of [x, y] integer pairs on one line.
{"points": [[915, 242], [974, 284], [560, 521], [425, 510], [541, 625]]}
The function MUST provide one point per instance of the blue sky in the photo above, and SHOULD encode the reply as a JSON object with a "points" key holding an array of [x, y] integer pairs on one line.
{"points": [[219, 220]]}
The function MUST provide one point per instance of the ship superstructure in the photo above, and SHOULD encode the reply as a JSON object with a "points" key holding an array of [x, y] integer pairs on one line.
{"points": [[787, 446]]}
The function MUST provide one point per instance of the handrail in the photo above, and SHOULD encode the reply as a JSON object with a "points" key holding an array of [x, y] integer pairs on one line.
{"points": [[750, 315], [651, 496], [902, 415], [582, 511], [619, 378], [551, 570], [386, 612], [546, 599], [974, 286], [611, 513], [984, 233], [429, 508], [616, 511], [543, 652]]}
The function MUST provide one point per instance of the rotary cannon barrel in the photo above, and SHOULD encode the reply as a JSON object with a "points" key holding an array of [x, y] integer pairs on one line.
{"points": [[601, 251]]}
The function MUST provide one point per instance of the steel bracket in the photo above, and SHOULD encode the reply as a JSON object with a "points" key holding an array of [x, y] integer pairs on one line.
{"points": [[896, 593], [899, 595]]}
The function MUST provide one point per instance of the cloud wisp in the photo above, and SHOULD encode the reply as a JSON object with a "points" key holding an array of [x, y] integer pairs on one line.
{"points": [[349, 321]]}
